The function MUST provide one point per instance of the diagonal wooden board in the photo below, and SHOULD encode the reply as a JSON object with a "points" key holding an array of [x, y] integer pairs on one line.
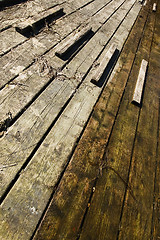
{"points": [[72, 128], [32, 115]]}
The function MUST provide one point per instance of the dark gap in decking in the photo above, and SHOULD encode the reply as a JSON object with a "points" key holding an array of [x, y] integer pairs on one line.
{"points": [[126, 189], [155, 176], [107, 70], [102, 8], [8, 3], [87, 208], [42, 139], [77, 46], [47, 84], [53, 123], [105, 152], [7, 51], [37, 27], [5, 28], [12, 79], [127, 181]]}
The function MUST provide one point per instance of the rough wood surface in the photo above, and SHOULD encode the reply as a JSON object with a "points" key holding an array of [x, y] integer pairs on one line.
{"points": [[32, 22], [103, 64], [140, 83], [65, 46], [46, 40], [30, 116], [78, 160]]}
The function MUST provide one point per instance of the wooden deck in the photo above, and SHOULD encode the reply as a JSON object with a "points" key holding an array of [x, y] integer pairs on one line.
{"points": [[79, 159]]}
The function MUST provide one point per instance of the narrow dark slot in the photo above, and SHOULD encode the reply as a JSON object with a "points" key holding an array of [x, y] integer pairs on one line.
{"points": [[107, 70], [8, 3], [37, 27], [73, 49]]}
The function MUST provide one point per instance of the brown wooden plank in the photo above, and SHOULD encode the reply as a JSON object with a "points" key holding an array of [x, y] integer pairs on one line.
{"points": [[105, 208], [87, 158], [136, 219], [46, 193], [155, 69]]}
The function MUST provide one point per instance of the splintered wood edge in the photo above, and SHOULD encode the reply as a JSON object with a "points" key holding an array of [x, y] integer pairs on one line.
{"points": [[62, 48], [154, 7], [104, 63], [32, 21], [140, 83]]}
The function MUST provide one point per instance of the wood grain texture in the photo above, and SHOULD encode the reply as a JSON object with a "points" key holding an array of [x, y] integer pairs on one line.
{"points": [[136, 219], [76, 121], [140, 83], [89, 151], [103, 64]]}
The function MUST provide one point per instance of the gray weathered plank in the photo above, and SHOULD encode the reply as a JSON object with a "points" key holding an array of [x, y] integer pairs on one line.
{"points": [[31, 23], [42, 43], [103, 64], [140, 83], [64, 46], [154, 7], [31, 75], [58, 143]]}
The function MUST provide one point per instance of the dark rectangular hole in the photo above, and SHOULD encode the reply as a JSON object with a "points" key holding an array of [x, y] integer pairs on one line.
{"points": [[107, 70]]}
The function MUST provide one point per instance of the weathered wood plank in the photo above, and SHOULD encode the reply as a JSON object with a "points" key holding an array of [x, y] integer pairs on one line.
{"points": [[42, 43], [9, 39], [72, 114], [105, 208], [64, 46], [137, 96], [36, 137], [137, 210], [86, 157], [19, 100], [30, 25], [103, 64]]}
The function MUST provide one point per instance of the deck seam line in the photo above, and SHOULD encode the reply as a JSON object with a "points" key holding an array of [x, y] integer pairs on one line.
{"points": [[73, 150], [18, 115], [133, 147], [49, 202], [156, 164], [104, 155]]}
